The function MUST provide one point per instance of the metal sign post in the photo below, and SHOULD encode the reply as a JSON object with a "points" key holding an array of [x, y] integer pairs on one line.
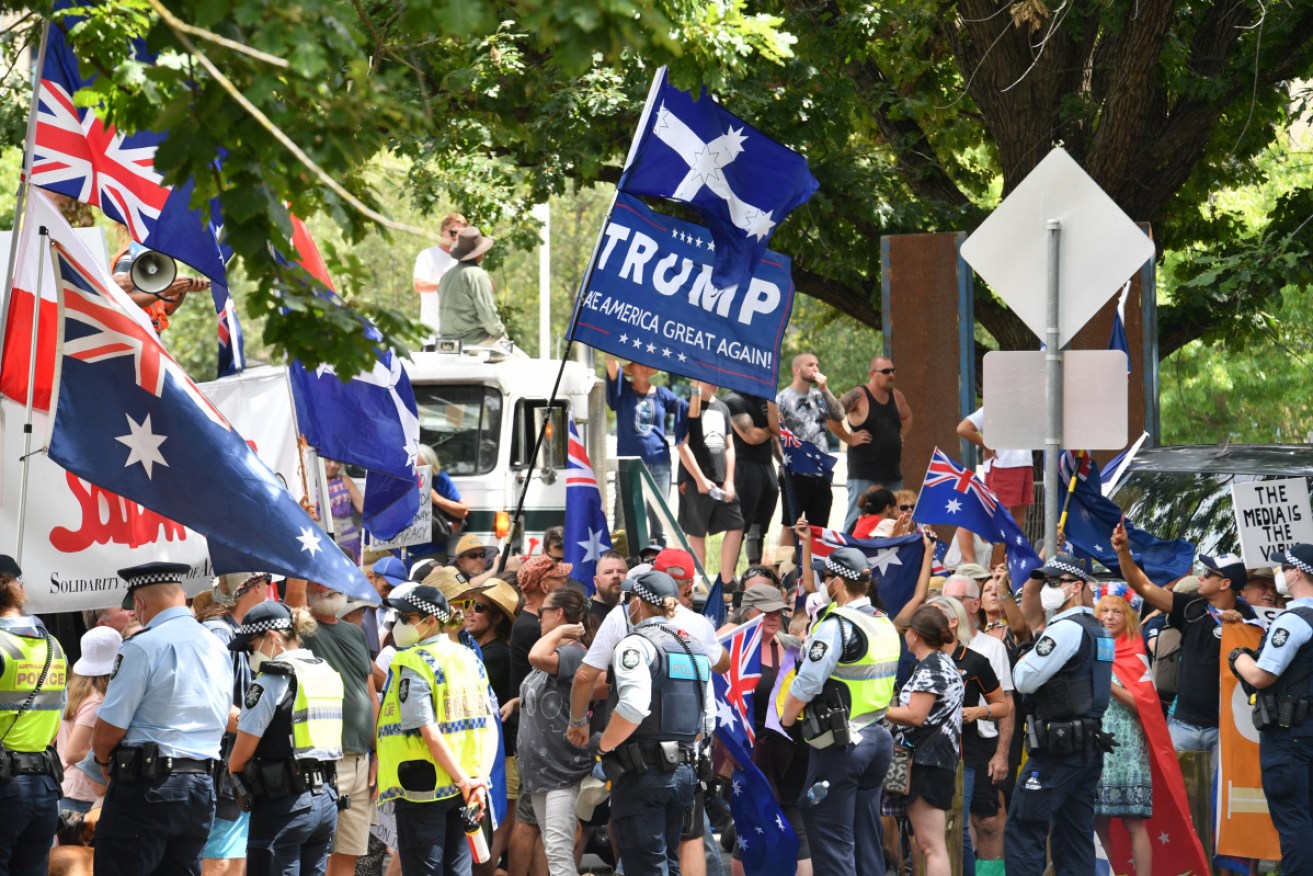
{"points": [[1053, 394]]}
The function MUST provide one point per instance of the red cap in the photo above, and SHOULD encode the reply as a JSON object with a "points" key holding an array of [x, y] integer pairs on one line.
{"points": [[675, 563]]}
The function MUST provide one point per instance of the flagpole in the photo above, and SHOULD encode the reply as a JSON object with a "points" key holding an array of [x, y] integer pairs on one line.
{"points": [[1071, 489], [574, 314], [44, 247], [21, 200]]}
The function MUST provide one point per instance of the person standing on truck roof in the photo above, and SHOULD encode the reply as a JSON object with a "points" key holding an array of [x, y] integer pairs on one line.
{"points": [[430, 265], [466, 307]]}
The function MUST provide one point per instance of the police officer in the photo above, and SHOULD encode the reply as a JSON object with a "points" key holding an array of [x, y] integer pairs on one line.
{"points": [[289, 740], [32, 677], [846, 681], [662, 703], [157, 733], [436, 737], [1069, 678], [1280, 677]]}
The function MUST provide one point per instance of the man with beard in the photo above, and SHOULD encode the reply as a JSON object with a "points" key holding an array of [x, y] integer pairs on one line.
{"points": [[343, 647], [610, 575]]}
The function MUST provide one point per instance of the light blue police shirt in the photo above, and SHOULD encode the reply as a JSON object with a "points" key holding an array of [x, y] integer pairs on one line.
{"points": [[1056, 645], [824, 648], [171, 685], [1286, 636]]}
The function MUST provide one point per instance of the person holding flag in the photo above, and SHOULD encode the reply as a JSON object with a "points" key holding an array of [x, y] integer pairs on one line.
{"points": [[846, 683]]}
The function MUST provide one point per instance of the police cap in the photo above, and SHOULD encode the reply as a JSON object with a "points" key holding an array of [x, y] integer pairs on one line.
{"points": [[151, 573], [259, 620]]}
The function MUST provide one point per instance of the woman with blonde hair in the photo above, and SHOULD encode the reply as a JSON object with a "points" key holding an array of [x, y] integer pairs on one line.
{"points": [[87, 682], [1126, 785]]}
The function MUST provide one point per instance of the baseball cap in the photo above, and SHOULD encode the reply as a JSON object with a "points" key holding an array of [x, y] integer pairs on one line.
{"points": [[1062, 564], [392, 569], [1229, 566], [261, 619], [1298, 555], [424, 599], [652, 587], [974, 571], [676, 563], [845, 562]]}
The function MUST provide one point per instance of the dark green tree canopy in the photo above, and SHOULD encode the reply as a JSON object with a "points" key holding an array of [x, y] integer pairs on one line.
{"points": [[915, 116]]}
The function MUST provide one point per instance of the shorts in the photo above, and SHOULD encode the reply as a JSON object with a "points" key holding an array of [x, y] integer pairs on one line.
{"points": [[524, 810], [934, 785], [352, 835], [228, 838], [758, 491], [700, 515], [1014, 487], [512, 778], [984, 795]]}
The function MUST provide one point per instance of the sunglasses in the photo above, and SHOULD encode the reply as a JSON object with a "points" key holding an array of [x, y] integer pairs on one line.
{"points": [[906, 507], [472, 555], [455, 232], [1058, 582], [885, 371]]}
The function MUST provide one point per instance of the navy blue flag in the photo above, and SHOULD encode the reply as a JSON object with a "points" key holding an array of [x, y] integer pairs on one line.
{"points": [[78, 155], [586, 533], [1091, 518], [741, 182], [714, 607], [735, 688], [895, 563], [804, 457], [954, 496], [128, 419], [390, 504], [651, 300], [767, 843]]}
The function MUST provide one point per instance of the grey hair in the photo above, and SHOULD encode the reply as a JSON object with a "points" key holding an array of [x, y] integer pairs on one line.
{"points": [[428, 456], [955, 610], [971, 583]]}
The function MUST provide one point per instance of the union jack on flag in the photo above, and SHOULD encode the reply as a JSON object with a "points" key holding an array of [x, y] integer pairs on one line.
{"points": [[586, 533], [734, 689], [944, 471]]}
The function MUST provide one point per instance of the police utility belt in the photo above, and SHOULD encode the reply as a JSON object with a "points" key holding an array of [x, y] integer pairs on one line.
{"points": [[1078, 736], [636, 757], [30, 763], [1274, 711], [281, 777], [137, 763]]}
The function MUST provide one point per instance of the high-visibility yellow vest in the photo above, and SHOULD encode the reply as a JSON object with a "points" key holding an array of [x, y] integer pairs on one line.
{"points": [[24, 658], [317, 710], [460, 707], [870, 678]]}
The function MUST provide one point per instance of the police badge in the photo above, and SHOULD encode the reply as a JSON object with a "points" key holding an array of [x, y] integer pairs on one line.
{"points": [[1044, 647], [1280, 637], [253, 694], [630, 658], [816, 652], [403, 689], [118, 661]]}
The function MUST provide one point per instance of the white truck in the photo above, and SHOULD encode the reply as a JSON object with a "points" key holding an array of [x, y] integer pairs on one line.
{"points": [[480, 410]]}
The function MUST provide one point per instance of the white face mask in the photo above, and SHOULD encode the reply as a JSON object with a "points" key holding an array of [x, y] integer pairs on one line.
{"points": [[1053, 598], [1283, 586], [405, 635], [258, 658]]}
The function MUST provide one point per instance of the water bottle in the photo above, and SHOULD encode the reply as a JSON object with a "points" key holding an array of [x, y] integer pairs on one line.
{"points": [[818, 792], [716, 493]]}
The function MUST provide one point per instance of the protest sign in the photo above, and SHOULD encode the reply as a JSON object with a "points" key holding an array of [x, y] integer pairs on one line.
{"points": [[420, 528], [1243, 826], [650, 300], [1269, 517]]}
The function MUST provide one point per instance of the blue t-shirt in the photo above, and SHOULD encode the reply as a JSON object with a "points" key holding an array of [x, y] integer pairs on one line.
{"points": [[641, 419]]}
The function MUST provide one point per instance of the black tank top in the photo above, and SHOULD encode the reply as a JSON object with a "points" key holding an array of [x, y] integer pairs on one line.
{"points": [[881, 459]]}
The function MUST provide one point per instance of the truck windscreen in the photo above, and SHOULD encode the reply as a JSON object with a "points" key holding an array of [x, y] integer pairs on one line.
{"points": [[462, 423]]}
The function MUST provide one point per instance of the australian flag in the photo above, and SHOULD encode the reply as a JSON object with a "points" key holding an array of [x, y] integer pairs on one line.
{"points": [[128, 419], [954, 496], [586, 534], [78, 155], [895, 563], [767, 843], [739, 180], [1091, 518], [804, 457], [370, 420]]}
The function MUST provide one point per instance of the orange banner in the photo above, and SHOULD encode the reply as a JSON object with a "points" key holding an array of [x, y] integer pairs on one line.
{"points": [[1244, 827]]}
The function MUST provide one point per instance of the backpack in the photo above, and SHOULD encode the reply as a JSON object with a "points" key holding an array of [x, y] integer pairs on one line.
{"points": [[1167, 663]]}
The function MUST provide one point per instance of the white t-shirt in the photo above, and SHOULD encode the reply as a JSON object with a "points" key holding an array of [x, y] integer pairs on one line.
{"points": [[1002, 458], [430, 265], [614, 628], [997, 654]]}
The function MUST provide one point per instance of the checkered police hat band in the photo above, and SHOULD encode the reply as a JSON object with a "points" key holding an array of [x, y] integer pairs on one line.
{"points": [[153, 578], [647, 595], [429, 608], [841, 570], [1069, 569], [264, 626], [1292, 560]]}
